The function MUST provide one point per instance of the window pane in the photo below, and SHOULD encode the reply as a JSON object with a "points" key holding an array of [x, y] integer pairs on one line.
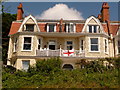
{"points": [[118, 49], [29, 27], [25, 65], [51, 27], [27, 47], [69, 47], [90, 29], [69, 42], [105, 45], [94, 40], [38, 46], [118, 46], [94, 47], [52, 47], [27, 39], [95, 29], [51, 42], [81, 42], [119, 43], [39, 41], [70, 27]]}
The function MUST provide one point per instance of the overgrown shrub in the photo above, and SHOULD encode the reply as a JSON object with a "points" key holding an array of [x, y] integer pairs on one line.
{"points": [[48, 74], [46, 66]]}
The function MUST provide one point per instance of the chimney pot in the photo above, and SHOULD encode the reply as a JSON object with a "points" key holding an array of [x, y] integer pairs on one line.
{"points": [[20, 12]]}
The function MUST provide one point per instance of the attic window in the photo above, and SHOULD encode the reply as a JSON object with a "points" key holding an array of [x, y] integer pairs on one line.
{"points": [[70, 27], [93, 29], [51, 28], [30, 27]]}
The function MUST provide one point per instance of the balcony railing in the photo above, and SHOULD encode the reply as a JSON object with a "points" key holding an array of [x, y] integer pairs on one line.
{"points": [[61, 53]]}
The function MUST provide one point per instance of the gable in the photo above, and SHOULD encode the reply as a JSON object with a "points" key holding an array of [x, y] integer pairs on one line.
{"points": [[93, 22], [30, 21]]}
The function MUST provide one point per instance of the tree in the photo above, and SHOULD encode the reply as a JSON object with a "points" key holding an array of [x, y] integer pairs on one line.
{"points": [[7, 19]]}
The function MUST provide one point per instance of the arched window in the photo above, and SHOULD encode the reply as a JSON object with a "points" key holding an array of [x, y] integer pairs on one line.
{"points": [[68, 67]]}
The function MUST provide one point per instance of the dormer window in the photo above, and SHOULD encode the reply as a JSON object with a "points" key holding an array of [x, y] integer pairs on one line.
{"points": [[30, 27], [93, 29], [51, 28], [70, 27]]}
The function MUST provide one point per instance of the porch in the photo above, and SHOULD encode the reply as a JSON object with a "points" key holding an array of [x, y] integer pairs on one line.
{"points": [[60, 53]]}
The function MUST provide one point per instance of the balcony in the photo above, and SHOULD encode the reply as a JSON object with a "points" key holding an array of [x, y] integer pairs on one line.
{"points": [[61, 53]]}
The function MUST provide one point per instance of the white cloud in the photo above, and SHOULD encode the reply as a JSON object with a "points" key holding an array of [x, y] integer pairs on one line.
{"points": [[61, 11]]}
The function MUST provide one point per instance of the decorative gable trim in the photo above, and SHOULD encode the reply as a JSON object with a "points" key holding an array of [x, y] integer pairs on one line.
{"points": [[96, 20], [26, 19]]}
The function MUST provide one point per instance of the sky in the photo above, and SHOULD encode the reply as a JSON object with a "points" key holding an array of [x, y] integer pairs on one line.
{"points": [[65, 10]]}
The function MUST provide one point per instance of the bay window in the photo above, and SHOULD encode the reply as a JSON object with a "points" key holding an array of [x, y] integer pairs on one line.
{"points": [[27, 43], [15, 45], [94, 44], [106, 45], [39, 44], [81, 45]]}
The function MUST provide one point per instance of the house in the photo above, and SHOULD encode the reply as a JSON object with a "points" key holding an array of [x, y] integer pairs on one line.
{"points": [[32, 39]]}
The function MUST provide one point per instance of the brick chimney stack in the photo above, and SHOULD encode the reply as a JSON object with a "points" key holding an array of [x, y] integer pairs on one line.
{"points": [[20, 12], [105, 16], [61, 22]]}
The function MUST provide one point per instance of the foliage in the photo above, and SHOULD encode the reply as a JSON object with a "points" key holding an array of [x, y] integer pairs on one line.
{"points": [[7, 19], [48, 74]]}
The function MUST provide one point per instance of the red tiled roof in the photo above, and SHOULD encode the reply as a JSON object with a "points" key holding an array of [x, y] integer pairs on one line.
{"points": [[14, 28], [79, 27], [43, 26], [114, 29]]}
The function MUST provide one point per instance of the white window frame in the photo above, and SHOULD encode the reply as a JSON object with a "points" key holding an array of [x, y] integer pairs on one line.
{"points": [[106, 45], [97, 27], [22, 64], [66, 43], [48, 27], [39, 43], [23, 42], [81, 45], [15, 44], [29, 24], [74, 28], [55, 43], [98, 44]]}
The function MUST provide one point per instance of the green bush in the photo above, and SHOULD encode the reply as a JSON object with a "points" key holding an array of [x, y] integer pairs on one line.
{"points": [[48, 74], [48, 65]]}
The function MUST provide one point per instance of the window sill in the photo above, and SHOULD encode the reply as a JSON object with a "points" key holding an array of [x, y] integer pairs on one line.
{"points": [[106, 53], [14, 52], [94, 51], [26, 50]]}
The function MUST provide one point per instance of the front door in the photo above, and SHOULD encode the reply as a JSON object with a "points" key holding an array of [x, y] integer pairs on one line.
{"points": [[52, 44]]}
